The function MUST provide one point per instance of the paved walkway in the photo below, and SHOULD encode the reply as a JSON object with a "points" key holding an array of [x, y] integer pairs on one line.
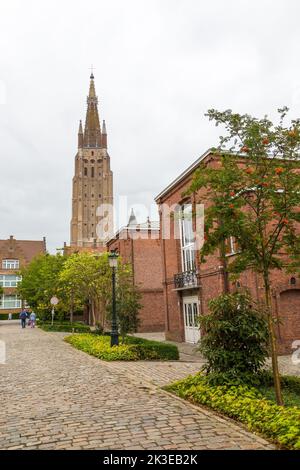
{"points": [[56, 397], [189, 352]]}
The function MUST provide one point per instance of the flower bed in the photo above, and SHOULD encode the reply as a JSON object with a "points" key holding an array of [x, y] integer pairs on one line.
{"points": [[134, 349], [245, 404]]}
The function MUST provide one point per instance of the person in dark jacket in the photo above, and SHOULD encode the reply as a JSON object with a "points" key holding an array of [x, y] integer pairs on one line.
{"points": [[23, 317]]}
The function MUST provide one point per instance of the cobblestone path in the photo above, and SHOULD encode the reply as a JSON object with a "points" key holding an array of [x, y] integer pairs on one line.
{"points": [[56, 397]]}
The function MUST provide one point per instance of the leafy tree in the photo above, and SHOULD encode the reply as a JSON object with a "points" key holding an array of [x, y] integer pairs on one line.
{"points": [[255, 197], [88, 277], [236, 341], [40, 282], [128, 301]]}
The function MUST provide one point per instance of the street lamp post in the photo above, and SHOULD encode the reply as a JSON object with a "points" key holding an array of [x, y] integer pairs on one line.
{"points": [[114, 336]]}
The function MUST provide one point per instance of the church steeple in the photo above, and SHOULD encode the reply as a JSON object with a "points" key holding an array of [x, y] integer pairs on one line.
{"points": [[92, 181], [92, 130]]}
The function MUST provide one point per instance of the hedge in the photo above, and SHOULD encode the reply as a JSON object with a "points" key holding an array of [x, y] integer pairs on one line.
{"points": [[245, 404], [154, 349], [64, 327], [15, 316], [132, 350]]}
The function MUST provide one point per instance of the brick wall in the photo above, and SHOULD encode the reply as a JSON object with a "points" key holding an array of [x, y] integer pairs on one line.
{"points": [[145, 256], [285, 298]]}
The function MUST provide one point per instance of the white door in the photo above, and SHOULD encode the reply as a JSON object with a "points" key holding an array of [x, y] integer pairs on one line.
{"points": [[190, 314]]}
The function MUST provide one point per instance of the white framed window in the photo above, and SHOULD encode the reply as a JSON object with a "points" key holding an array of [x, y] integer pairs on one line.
{"points": [[10, 302], [9, 280], [187, 238], [10, 264], [231, 246]]}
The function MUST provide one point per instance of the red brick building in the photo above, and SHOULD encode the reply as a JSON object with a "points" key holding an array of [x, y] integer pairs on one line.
{"points": [[139, 244], [189, 285], [14, 255]]}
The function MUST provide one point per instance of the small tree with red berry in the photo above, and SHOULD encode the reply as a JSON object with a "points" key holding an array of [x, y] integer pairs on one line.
{"points": [[255, 196]]}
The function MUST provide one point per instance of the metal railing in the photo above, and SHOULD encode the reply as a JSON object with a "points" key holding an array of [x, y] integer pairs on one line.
{"points": [[186, 279]]}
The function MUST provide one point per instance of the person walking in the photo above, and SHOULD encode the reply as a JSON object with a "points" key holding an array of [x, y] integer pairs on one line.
{"points": [[23, 316], [32, 319]]}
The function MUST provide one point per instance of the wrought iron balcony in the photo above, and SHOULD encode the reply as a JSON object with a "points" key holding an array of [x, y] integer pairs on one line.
{"points": [[186, 280]]}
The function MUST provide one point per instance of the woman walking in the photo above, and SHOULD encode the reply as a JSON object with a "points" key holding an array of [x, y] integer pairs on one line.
{"points": [[32, 319]]}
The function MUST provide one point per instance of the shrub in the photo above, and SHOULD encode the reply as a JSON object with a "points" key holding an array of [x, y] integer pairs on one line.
{"points": [[245, 404], [99, 346], [290, 382], [132, 350], [154, 349], [236, 341], [64, 327], [4, 316]]}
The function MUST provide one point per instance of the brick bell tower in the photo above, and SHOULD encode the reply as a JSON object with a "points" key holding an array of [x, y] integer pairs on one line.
{"points": [[93, 179]]}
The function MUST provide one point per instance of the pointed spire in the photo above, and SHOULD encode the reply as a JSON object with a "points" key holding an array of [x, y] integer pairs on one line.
{"points": [[92, 131], [132, 219], [80, 135], [104, 136]]}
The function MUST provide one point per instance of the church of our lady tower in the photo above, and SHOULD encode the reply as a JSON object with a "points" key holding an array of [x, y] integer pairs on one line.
{"points": [[93, 179]]}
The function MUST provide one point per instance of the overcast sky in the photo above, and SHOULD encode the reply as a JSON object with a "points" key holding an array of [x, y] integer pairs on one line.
{"points": [[158, 66]]}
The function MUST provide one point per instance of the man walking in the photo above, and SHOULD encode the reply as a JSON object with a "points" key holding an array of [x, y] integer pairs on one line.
{"points": [[23, 317]]}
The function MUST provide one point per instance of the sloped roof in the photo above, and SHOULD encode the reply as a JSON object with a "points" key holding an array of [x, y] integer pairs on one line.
{"points": [[29, 248]]}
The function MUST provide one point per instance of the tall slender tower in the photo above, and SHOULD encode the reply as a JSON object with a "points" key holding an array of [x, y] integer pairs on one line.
{"points": [[93, 179]]}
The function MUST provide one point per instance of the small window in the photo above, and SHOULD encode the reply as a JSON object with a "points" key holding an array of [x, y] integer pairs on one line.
{"points": [[93, 172], [10, 264], [99, 195], [85, 171], [92, 153], [293, 281]]}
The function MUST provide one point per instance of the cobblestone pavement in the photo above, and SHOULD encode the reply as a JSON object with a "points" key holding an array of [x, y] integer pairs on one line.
{"points": [[56, 397], [189, 352]]}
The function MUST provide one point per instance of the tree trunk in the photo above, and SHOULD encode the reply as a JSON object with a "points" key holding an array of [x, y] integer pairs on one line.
{"points": [[224, 264], [275, 368], [71, 308], [93, 313]]}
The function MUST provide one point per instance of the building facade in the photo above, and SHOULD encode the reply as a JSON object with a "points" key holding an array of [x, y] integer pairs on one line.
{"points": [[14, 255], [92, 181], [139, 245], [189, 285]]}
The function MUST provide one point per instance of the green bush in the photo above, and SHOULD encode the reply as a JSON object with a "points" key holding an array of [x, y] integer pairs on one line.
{"points": [[64, 327], [235, 343], [245, 404], [154, 349], [290, 382], [99, 346], [131, 350], [4, 316]]}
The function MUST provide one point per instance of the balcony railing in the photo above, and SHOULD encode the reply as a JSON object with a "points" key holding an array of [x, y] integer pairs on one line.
{"points": [[186, 280]]}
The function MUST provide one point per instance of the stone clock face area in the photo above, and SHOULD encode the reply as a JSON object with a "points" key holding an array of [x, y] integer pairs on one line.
{"points": [[93, 179]]}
